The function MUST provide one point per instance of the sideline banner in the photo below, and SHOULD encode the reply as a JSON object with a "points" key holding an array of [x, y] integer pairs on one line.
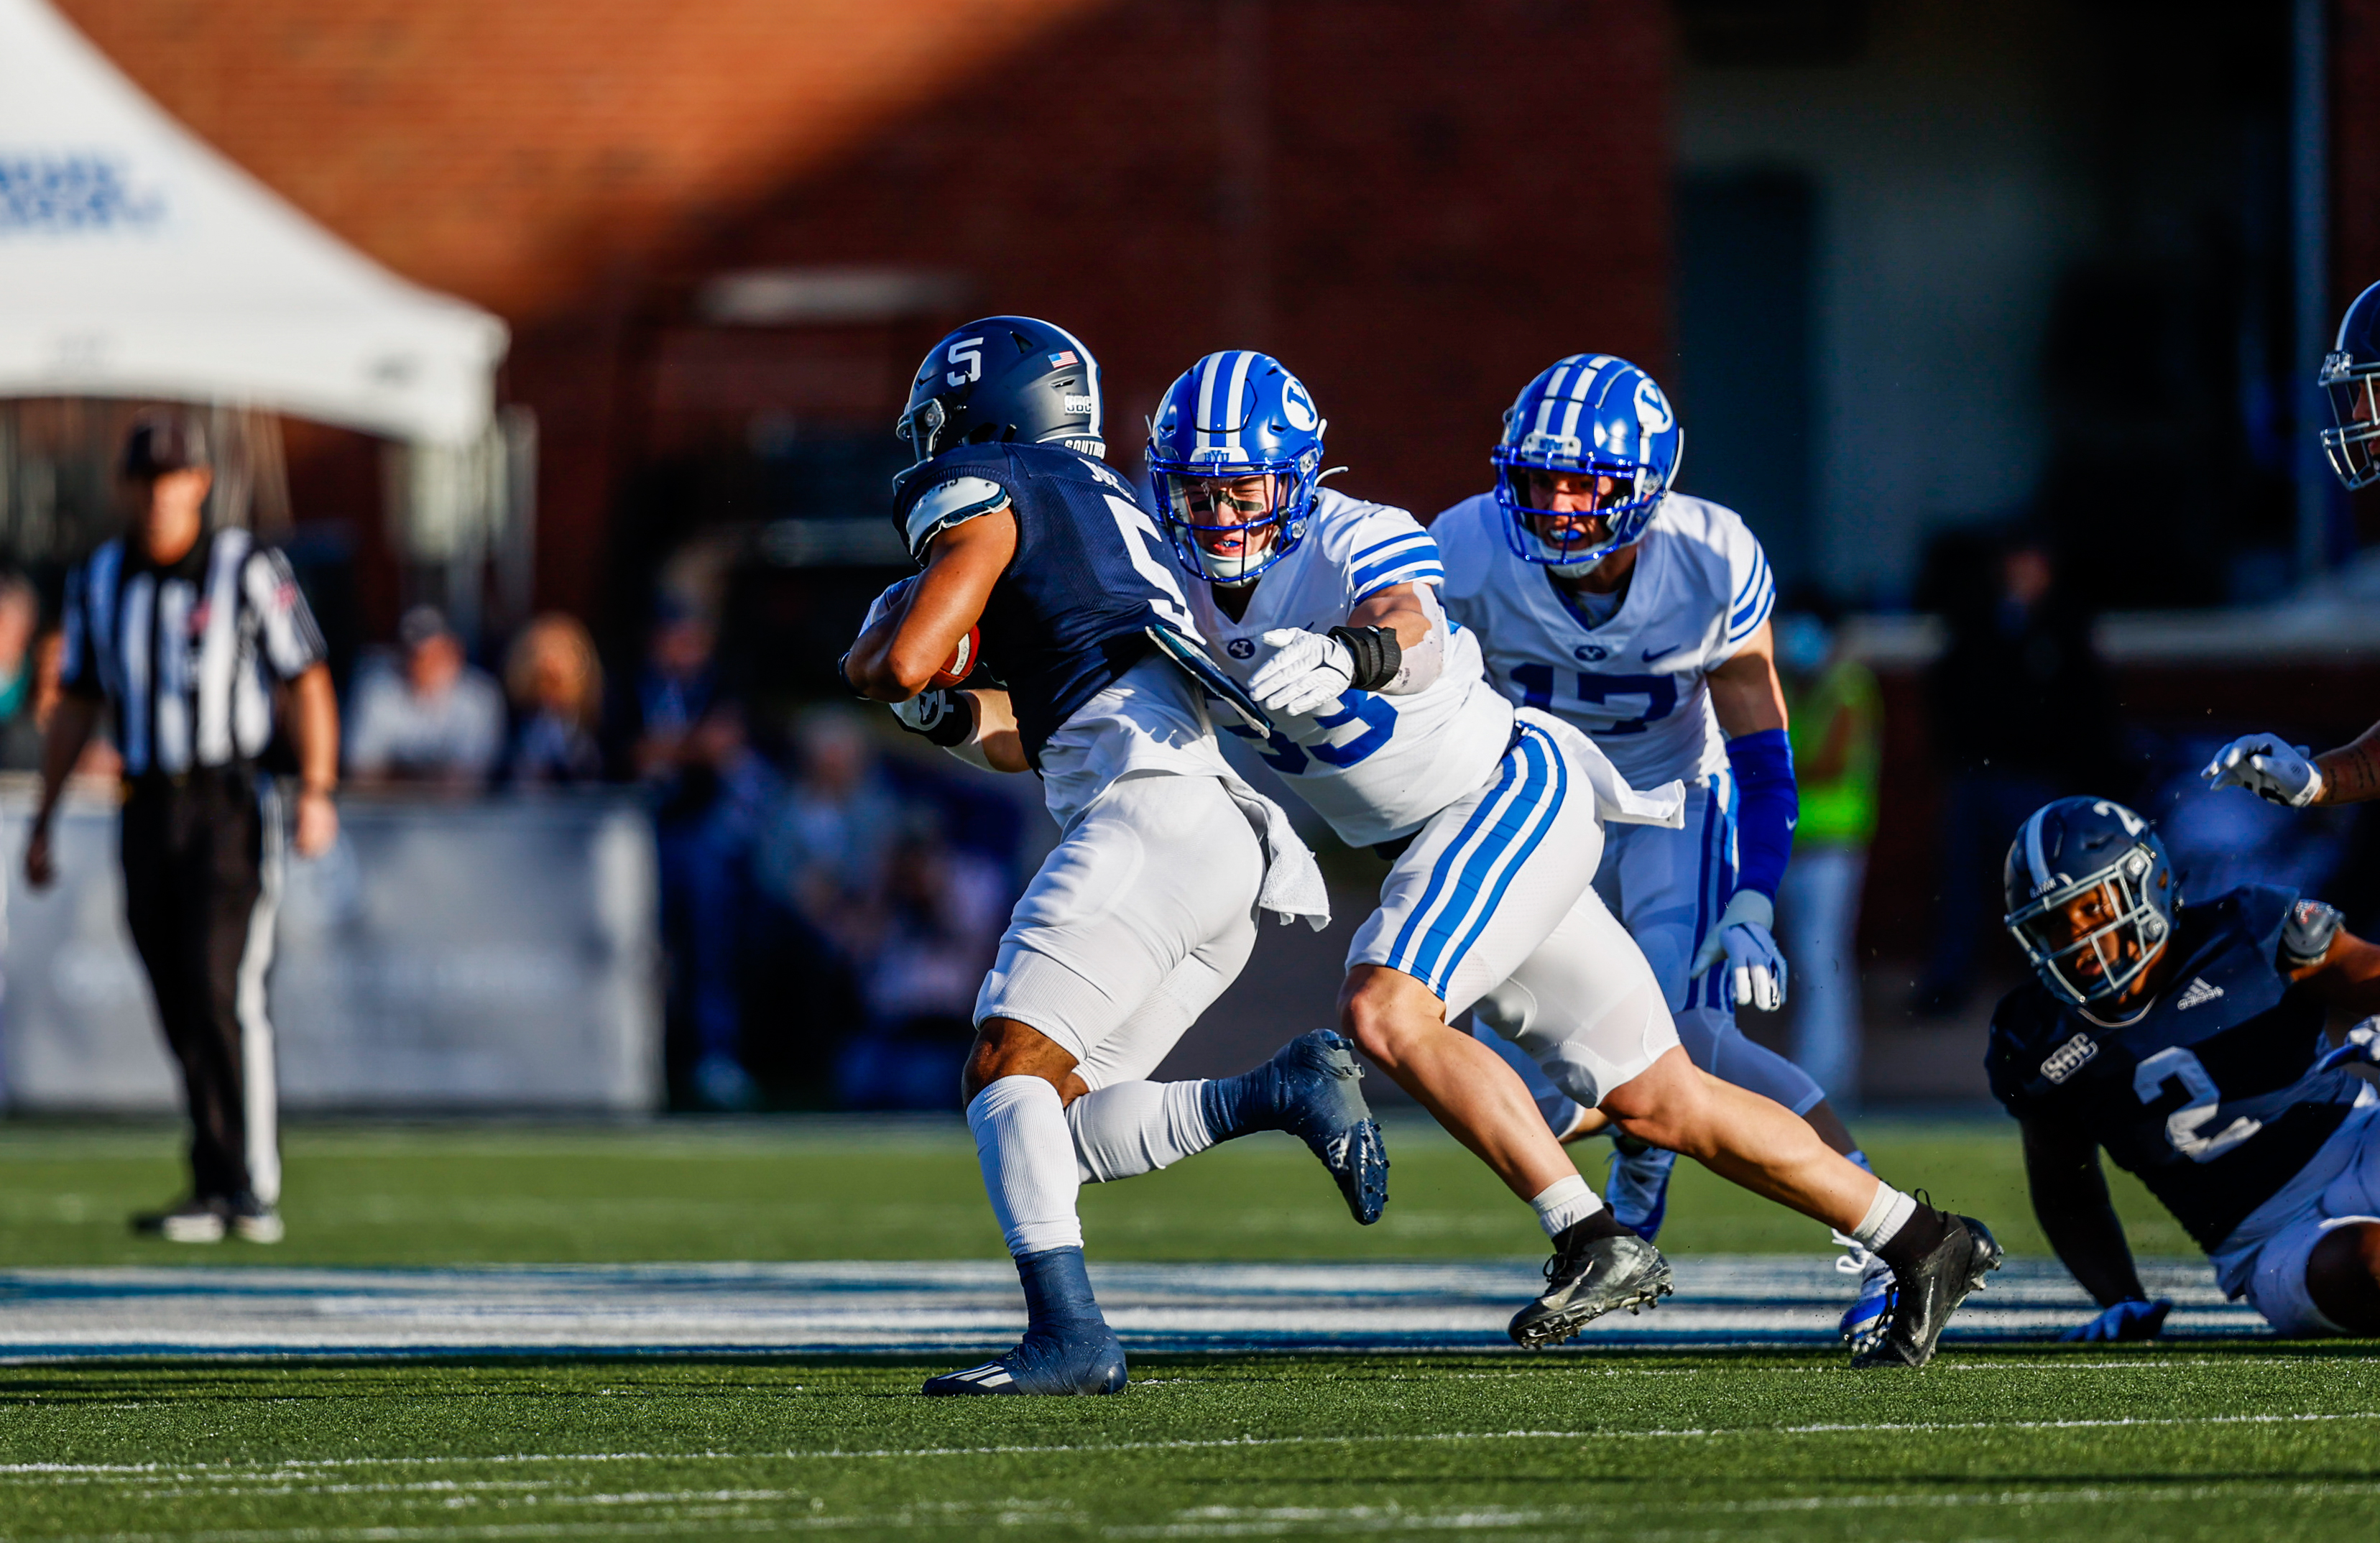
{"points": [[495, 954]]}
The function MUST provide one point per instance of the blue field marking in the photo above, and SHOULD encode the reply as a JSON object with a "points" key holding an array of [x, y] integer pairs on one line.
{"points": [[919, 1309]]}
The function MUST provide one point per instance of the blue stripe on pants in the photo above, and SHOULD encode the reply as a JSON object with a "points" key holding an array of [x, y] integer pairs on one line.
{"points": [[1550, 805], [1511, 791]]}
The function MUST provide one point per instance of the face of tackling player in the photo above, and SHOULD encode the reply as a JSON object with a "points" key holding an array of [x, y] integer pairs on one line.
{"points": [[1235, 521]]}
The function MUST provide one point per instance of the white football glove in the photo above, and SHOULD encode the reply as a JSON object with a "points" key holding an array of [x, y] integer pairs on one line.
{"points": [[1743, 936], [1306, 673], [2267, 767]]}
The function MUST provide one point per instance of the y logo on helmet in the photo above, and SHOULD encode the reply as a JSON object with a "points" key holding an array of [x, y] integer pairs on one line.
{"points": [[970, 352], [1653, 415], [1298, 406]]}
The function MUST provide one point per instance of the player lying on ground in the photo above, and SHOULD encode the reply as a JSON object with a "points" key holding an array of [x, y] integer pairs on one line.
{"points": [[2267, 764], [1147, 909], [1326, 609], [2187, 1040], [1640, 617]]}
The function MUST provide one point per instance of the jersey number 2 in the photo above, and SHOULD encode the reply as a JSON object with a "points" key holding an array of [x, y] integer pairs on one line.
{"points": [[2186, 1126]]}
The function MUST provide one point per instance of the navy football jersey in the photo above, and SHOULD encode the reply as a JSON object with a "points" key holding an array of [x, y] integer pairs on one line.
{"points": [[2210, 1095], [1091, 576]]}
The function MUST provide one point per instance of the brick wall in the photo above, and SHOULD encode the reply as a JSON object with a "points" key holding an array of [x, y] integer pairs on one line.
{"points": [[1417, 203]]}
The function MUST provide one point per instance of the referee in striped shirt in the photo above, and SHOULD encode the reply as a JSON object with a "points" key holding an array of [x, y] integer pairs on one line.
{"points": [[187, 630]]}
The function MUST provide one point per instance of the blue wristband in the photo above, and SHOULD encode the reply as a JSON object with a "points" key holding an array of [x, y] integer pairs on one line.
{"points": [[1768, 806]]}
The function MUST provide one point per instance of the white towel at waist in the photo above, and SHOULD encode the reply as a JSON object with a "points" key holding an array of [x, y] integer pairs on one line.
{"points": [[1615, 801], [1293, 882]]}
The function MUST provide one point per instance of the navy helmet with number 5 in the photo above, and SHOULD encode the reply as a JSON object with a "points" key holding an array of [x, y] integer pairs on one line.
{"points": [[2350, 377], [1595, 416], [1232, 418], [2092, 896], [1001, 380]]}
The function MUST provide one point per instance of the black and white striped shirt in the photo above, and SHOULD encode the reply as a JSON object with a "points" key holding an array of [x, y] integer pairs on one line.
{"points": [[189, 652]]}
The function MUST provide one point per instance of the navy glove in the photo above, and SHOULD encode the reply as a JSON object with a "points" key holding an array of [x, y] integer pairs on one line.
{"points": [[2132, 1318], [2362, 1047]]}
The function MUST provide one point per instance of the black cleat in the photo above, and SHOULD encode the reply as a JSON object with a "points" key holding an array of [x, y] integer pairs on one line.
{"points": [[1587, 1278], [1321, 1103], [1924, 1302]]}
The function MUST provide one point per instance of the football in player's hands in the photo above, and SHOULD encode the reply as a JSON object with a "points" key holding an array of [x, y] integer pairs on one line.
{"points": [[961, 661]]}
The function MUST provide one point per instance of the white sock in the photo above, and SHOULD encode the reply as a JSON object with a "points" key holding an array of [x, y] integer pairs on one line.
{"points": [[1886, 1214], [1565, 1203], [1028, 1164], [1134, 1128]]}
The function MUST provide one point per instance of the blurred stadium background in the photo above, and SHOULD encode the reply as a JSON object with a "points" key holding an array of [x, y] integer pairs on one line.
{"points": [[615, 304]]}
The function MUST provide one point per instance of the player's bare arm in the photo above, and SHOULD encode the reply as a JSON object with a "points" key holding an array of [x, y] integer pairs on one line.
{"points": [[2270, 767], [1398, 608], [2069, 1197], [897, 657], [1746, 693]]}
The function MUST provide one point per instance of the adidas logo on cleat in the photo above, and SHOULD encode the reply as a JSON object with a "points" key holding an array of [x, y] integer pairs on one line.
{"points": [[991, 1374], [2197, 994]]}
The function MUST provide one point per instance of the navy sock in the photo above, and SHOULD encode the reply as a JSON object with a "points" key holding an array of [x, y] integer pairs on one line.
{"points": [[1234, 1106], [1058, 1291]]}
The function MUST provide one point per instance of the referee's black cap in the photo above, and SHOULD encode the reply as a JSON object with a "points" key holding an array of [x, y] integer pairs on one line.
{"points": [[162, 440]]}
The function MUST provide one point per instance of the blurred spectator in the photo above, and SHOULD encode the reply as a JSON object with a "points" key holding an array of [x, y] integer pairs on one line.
{"points": [[673, 687], [1835, 711], [556, 685], [716, 795], [433, 717], [824, 854], [20, 616], [2020, 712], [943, 911]]}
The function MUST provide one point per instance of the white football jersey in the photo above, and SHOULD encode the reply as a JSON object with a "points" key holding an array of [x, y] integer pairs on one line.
{"points": [[1375, 767], [1636, 683]]}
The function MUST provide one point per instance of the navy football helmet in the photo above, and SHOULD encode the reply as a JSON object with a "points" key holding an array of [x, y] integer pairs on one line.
{"points": [[1599, 417], [1232, 415], [2350, 377], [1001, 379], [2099, 854]]}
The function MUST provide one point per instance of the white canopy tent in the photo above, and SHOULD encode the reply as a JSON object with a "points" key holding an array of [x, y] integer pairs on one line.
{"points": [[136, 261]]}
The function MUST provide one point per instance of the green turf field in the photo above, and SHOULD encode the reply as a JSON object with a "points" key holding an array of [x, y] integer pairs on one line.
{"points": [[1990, 1445], [456, 1195], [2229, 1441]]}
